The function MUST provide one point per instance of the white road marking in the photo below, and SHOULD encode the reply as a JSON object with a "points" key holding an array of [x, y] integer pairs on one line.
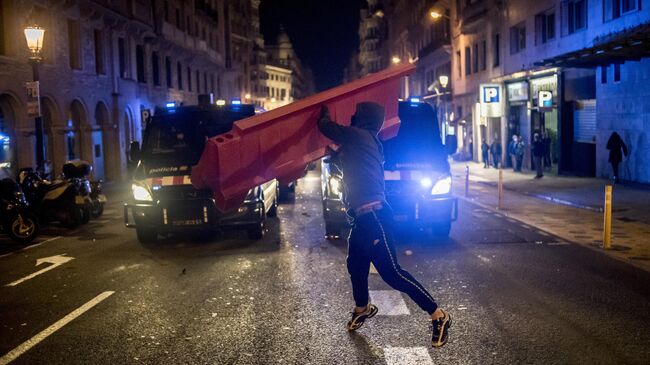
{"points": [[56, 261], [102, 221], [389, 302], [407, 356], [32, 246], [25, 346], [484, 259]]}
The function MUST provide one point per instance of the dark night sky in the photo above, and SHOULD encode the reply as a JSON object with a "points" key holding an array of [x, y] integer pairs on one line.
{"points": [[323, 33]]}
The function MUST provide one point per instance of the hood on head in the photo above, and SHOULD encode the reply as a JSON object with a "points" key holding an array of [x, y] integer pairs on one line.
{"points": [[368, 116]]}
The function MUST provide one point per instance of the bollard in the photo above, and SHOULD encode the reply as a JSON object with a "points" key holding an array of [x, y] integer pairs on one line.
{"points": [[466, 181], [500, 206], [607, 212]]}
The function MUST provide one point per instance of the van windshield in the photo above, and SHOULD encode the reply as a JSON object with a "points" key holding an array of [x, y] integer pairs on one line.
{"points": [[418, 145]]}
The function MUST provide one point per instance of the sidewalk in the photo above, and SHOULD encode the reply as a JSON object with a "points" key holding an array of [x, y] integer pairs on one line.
{"points": [[568, 207]]}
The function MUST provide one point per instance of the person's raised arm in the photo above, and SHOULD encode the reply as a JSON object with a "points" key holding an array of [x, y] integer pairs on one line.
{"points": [[336, 132]]}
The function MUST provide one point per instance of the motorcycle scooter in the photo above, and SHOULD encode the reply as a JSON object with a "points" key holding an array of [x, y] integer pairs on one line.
{"points": [[18, 220], [66, 201], [80, 170]]}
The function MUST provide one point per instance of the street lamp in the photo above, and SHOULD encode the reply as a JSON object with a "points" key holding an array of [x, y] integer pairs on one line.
{"points": [[34, 36], [444, 80], [436, 14], [396, 60]]}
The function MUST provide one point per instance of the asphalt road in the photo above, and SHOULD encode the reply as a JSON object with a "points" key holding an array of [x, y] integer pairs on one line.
{"points": [[516, 295]]}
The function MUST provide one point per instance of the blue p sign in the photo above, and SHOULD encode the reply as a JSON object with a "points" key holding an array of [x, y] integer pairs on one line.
{"points": [[490, 94]]}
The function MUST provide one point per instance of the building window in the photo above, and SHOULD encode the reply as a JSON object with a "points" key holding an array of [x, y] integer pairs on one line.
{"points": [[198, 82], [205, 83], [617, 72], [139, 63], [121, 54], [155, 68], [545, 26], [167, 11], [212, 84], [613, 9], [178, 19], [458, 64], [74, 47], [168, 72], [483, 60], [603, 74], [98, 38], [468, 61], [517, 38], [3, 28], [476, 58], [179, 76], [496, 51], [574, 16], [189, 79]]}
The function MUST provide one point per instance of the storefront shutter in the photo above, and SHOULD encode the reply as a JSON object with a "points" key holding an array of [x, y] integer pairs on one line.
{"points": [[584, 121]]}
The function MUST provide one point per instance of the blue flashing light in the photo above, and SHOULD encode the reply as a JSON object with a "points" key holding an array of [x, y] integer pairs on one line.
{"points": [[235, 102], [170, 105], [415, 100]]}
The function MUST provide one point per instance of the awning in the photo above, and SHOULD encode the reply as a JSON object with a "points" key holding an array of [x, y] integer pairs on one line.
{"points": [[631, 44]]}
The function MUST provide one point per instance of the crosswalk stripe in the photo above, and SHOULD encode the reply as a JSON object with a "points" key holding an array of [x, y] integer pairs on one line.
{"points": [[389, 302], [407, 356]]}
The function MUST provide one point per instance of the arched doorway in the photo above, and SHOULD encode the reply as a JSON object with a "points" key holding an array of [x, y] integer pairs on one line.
{"points": [[98, 148], [8, 122], [75, 130]]}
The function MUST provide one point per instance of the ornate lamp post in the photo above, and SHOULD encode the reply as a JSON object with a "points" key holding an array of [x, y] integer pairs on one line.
{"points": [[34, 36]]}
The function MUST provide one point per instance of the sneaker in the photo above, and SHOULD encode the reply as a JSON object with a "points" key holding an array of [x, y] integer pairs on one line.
{"points": [[440, 330], [358, 318]]}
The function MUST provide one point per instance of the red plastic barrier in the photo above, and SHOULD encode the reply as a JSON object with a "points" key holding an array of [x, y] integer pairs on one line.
{"points": [[281, 142]]}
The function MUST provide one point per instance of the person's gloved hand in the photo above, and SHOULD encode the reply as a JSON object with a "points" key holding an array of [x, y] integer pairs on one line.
{"points": [[324, 115]]}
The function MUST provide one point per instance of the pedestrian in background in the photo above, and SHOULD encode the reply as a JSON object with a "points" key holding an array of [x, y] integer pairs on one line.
{"points": [[485, 153], [538, 155], [546, 140], [512, 146], [520, 149], [496, 150], [371, 238], [615, 145]]}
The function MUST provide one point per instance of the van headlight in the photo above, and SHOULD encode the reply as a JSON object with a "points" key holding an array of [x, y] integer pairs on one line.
{"points": [[141, 193], [336, 185], [442, 186]]}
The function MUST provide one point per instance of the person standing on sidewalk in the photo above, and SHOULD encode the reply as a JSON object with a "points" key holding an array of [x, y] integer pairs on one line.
{"points": [[538, 155], [512, 146], [485, 153], [371, 241], [615, 144], [520, 149], [546, 140], [495, 150]]}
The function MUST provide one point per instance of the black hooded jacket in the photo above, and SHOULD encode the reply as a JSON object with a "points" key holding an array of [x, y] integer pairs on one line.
{"points": [[614, 145], [361, 155]]}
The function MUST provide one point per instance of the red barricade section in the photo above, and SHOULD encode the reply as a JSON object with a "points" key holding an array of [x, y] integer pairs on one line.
{"points": [[280, 143]]}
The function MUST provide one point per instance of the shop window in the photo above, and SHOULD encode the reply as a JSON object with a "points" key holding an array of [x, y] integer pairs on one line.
{"points": [[517, 38], [574, 16], [545, 26]]}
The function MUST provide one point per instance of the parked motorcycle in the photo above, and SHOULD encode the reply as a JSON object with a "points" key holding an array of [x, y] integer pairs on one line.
{"points": [[17, 218], [80, 170], [64, 200]]}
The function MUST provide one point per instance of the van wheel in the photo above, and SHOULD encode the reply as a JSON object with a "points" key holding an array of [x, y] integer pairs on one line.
{"points": [[146, 235], [332, 229]]}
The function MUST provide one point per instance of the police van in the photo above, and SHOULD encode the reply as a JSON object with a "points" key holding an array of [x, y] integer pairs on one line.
{"points": [[416, 172], [163, 200]]}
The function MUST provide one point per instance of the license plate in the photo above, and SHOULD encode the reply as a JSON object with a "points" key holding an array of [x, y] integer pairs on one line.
{"points": [[188, 222], [401, 218]]}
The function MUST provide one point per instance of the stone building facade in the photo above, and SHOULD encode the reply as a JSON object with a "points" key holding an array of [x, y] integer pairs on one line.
{"points": [[105, 64]]}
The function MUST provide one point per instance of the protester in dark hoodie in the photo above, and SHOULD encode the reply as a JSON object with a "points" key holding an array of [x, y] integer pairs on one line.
{"points": [[615, 144], [370, 241]]}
